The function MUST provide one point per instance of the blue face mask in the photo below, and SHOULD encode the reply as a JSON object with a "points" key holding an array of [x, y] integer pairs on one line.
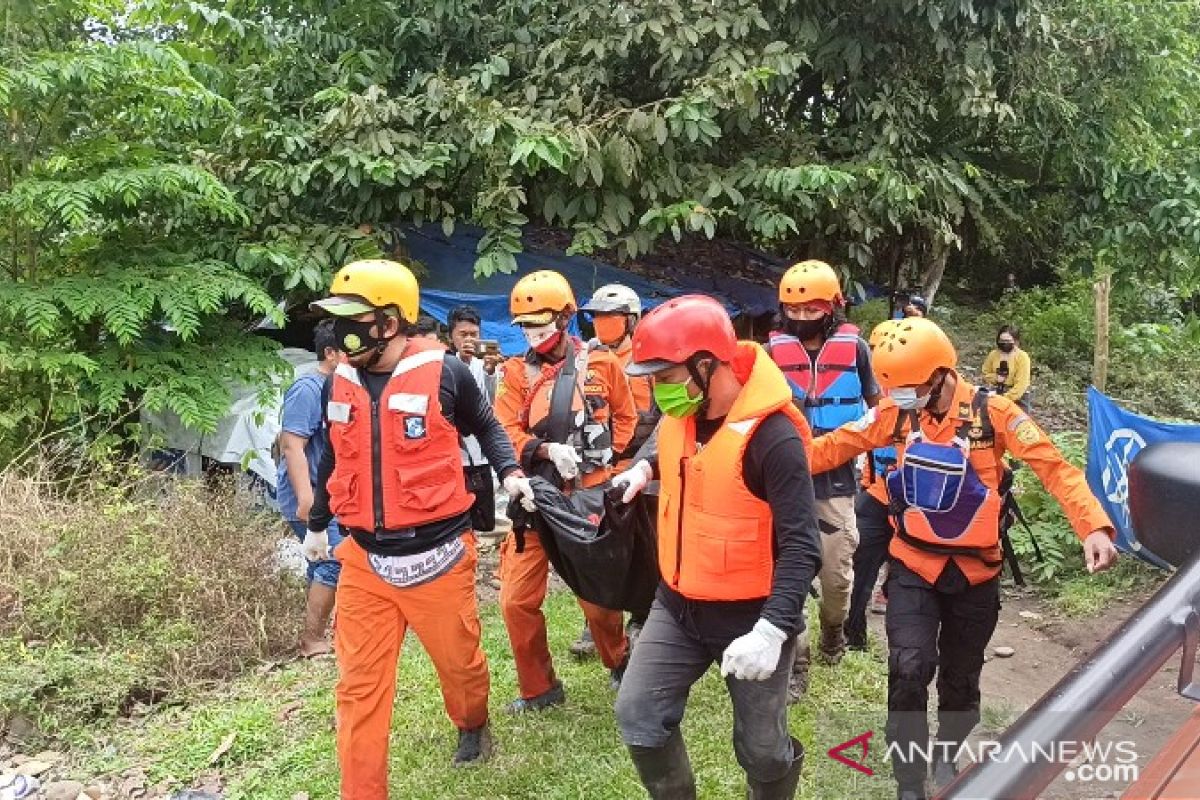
{"points": [[907, 400]]}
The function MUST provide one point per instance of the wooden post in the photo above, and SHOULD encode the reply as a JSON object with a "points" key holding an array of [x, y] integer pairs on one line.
{"points": [[1103, 289]]}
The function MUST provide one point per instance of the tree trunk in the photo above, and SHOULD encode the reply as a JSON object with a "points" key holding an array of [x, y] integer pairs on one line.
{"points": [[1103, 288], [931, 280]]}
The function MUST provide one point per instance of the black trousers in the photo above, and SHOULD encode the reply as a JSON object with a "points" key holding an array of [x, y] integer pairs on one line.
{"points": [[942, 628], [874, 534], [672, 653]]}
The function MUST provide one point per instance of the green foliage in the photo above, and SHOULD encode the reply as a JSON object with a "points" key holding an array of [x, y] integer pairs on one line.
{"points": [[166, 168], [1152, 364], [1062, 552]]}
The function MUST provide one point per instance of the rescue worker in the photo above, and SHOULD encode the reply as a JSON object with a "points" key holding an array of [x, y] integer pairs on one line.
{"points": [[738, 549], [572, 444], [829, 368], [615, 311], [944, 574], [874, 530], [392, 473]]}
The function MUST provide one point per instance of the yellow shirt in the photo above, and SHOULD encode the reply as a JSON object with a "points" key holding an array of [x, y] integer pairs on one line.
{"points": [[1016, 383]]}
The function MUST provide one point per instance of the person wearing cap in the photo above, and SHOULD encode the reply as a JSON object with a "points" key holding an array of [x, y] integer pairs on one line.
{"points": [[738, 548], [943, 582], [568, 410], [394, 411], [615, 310], [829, 368]]}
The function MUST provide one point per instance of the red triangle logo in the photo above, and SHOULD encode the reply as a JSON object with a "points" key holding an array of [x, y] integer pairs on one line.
{"points": [[863, 739]]}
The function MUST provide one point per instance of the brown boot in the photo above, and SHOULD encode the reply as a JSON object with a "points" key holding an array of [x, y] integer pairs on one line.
{"points": [[317, 611], [833, 644], [798, 680]]}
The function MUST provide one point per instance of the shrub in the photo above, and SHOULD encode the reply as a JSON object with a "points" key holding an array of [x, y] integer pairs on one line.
{"points": [[132, 590], [1062, 553]]}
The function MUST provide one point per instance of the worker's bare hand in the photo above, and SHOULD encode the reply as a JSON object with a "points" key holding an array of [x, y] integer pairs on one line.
{"points": [[491, 361], [1099, 553]]}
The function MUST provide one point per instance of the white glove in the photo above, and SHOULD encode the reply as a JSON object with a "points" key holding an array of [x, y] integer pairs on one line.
{"points": [[634, 480], [754, 656], [518, 488], [316, 546], [565, 459]]}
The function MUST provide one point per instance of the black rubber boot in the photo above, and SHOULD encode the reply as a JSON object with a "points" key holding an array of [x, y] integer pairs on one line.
{"points": [[584, 647], [556, 695], [665, 771], [784, 788], [474, 746]]}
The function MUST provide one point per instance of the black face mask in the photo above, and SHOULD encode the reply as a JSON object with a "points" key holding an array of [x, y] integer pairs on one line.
{"points": [[806, 328], [1005, 347], [354, 337]]}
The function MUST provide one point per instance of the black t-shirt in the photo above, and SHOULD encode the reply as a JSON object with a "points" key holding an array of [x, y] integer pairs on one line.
{"points": [[775, 469], [466, 408]]}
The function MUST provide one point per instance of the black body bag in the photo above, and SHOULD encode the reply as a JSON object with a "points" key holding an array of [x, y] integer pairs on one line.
{"points": [[602, 548]]}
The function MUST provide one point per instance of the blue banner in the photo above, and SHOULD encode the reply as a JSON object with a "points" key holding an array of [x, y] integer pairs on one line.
{"points": [[1115, 436]]}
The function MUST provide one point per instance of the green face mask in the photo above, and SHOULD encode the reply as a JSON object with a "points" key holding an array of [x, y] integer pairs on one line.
{"points": [[674, 401]]}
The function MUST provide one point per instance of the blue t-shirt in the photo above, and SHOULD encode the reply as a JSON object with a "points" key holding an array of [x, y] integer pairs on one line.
{"points": [[302, 417]]}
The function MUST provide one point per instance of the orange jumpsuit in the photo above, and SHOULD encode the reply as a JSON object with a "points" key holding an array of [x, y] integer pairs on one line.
{"points": [[1015, 433], [643, 401], [524, 576]]}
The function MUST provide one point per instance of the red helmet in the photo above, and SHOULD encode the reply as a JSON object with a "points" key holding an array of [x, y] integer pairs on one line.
{"points": [[679, 329]]}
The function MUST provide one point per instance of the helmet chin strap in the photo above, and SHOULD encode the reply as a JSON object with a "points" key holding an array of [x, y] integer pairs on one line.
{"points": [[702, 381], [381, 318]]}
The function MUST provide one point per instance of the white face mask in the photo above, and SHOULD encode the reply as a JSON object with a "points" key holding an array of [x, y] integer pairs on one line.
{"points": [[907, 400], [537, 335]]}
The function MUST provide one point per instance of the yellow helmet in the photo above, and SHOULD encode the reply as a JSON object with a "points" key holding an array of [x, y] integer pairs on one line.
{"points": [[363, 286], [539, 296], [810, 280], [910, 352]]}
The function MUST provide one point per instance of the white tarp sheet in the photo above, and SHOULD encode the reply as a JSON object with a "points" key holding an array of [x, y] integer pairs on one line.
{"points": [[244, 437]]}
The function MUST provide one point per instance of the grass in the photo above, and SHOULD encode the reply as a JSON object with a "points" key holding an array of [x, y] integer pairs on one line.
{"points": [[284, 741], [1080, 594]]}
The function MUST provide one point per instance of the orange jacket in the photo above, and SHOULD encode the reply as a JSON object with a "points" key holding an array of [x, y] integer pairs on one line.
{"points": [[643, 395], [1015, 433], [715, 537], [605, 388], [417, 466]]}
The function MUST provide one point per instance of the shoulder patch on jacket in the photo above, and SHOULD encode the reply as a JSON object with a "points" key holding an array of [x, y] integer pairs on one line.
{"points": [[1027, 432]]}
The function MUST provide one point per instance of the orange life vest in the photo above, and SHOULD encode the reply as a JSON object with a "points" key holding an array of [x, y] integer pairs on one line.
{"points": [[960, 513], [715, 537], [401, 446]]}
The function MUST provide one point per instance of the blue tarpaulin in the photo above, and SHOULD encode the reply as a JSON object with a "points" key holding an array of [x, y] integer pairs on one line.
{"points": [[1115, 436], [450, 282]]}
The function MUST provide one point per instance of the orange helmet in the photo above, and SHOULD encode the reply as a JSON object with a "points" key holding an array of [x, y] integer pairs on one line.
{"points": [[811, 280], [910, 351], [539, 296], [881, 330]]}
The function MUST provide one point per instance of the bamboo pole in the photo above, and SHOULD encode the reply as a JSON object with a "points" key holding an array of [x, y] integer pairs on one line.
{"points": [[1103, 290]]}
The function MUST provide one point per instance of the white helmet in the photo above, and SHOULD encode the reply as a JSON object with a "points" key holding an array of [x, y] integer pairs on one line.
{"points": [[614, 298]]}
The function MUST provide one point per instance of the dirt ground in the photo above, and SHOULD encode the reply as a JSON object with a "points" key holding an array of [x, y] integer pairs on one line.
{"points": [[1046, 646]]}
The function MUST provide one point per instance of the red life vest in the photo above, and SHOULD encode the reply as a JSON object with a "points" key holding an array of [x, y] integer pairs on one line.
{"points": [[829, 389], [402, 446]]}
